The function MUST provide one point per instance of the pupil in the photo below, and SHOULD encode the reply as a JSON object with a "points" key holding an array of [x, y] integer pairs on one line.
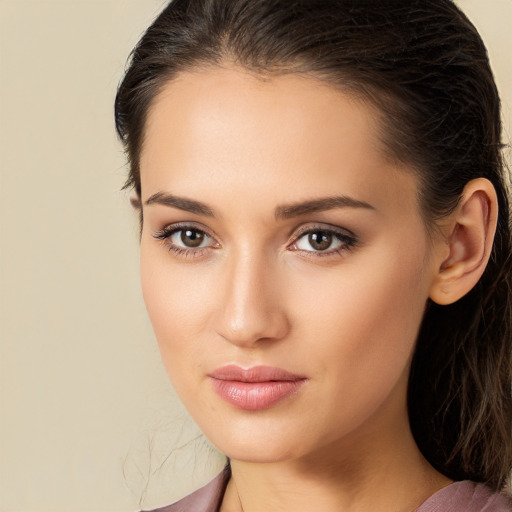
{"points": [[192, 238], [320, 240]]}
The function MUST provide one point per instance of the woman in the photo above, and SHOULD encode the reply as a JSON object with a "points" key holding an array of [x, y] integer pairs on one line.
{"points": [[325, 249]]}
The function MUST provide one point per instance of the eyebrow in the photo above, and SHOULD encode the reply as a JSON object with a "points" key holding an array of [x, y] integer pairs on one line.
{"points": [[188, 205], [282, 212], [319, 205]]}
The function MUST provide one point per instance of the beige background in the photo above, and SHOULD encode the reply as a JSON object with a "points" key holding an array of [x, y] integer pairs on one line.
{"points": [[87, 418]]}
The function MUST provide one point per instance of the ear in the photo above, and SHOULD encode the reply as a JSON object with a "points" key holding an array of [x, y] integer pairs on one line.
{"points": [[135, 201], [466, 243]]}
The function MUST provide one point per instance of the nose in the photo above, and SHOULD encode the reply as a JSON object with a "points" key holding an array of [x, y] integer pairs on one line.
{"points": [[252, 309]]}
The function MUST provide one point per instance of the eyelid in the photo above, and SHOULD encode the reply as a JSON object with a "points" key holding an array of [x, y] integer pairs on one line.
{"points": [[348, 238], [165, 234], [169, 229], [323, 227]]}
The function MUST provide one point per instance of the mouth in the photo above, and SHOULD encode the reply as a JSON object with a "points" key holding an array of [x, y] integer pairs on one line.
{"points": [[256, 388]]}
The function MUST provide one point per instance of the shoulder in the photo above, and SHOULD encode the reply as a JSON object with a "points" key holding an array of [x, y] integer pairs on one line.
{"points": [[206, 499], [466, 496]]}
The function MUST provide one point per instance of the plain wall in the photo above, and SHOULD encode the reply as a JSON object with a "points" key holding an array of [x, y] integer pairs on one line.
{"points": [[88, 421]]}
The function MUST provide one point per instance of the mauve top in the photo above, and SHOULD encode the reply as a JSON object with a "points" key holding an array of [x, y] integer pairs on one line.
{"points": [[465, 496]]}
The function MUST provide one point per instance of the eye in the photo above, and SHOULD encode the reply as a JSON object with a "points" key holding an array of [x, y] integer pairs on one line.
{"points": [[186, 240], [189, 238], [323, 241]]}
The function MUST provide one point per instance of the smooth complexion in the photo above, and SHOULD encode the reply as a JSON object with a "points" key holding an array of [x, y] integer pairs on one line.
{"points": [[276, 234]]}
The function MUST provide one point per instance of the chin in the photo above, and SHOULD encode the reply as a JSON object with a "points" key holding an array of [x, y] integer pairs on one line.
{"points": [[257, 441], [261, 453]]}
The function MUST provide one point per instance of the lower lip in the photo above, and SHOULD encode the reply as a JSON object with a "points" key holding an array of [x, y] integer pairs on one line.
{"points": [[254, 396]]}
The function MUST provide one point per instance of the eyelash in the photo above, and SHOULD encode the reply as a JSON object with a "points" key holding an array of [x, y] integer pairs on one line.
{"points": [[166, 233], [347, 239]]}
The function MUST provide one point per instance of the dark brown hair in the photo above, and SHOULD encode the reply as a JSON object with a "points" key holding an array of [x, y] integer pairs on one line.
{"points": [[424, 66]]}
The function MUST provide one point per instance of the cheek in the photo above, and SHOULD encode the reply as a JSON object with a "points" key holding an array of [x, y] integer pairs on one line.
{"points": [[176, 301], [365, 317], [357, 336]]}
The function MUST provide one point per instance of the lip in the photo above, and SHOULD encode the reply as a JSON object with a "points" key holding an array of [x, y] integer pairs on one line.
{"points": [[255, 388]]}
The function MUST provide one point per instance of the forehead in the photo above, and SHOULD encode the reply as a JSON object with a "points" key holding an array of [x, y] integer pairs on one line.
{"points": [[297, 107], [221, 129]]}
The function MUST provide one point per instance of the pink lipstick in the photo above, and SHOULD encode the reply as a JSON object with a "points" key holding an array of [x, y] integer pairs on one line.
{"points": [[252, 389]]}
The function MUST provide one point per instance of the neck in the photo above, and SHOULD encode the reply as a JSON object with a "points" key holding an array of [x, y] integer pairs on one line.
{"points": [[392, 481], [380, 469]]}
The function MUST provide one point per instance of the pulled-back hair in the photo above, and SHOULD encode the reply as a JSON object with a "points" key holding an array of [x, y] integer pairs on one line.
{"points": [[424, 66]]}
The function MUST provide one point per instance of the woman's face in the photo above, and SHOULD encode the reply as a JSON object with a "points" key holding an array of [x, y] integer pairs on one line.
{"points": [[285, 265]]}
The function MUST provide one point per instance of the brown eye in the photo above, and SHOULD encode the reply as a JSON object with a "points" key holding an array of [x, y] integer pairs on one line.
{"points": [[324, 242], [320, 240], [191, 237], [186, 241]]}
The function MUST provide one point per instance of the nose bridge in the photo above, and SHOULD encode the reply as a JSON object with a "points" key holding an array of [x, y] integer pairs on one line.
{"points": [[251, 309]]}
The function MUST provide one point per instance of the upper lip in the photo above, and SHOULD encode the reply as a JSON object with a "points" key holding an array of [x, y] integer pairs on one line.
{"points": [[253, 374]]}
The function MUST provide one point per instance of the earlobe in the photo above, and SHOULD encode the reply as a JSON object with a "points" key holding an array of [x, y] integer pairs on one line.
{"points": [[468, 239]]}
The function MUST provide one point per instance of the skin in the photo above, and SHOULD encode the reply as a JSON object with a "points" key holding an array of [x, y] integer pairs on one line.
{"points": [[256, 292]]}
